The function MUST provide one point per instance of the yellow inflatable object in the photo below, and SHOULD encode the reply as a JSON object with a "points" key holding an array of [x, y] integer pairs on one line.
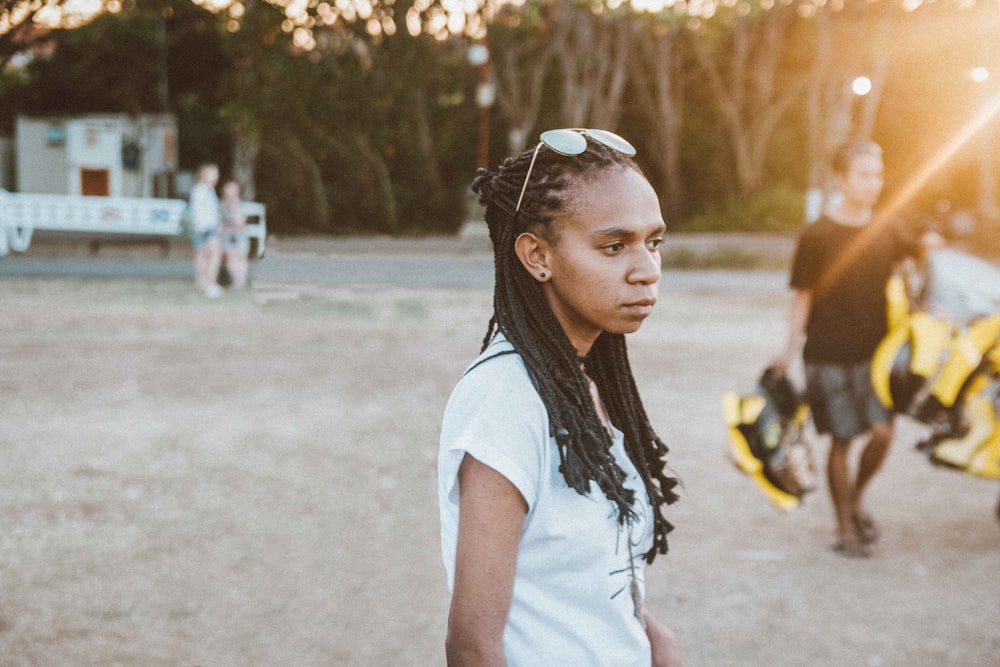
{"points": [[897, 300], [978, 451], [986, 462], [928, 338], [948, 373], [745, 410], [965, 353], [883, 360]]}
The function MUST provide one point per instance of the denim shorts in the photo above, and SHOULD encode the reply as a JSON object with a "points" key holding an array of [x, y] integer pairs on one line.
{"points": [[198, 239], [842, 399]]}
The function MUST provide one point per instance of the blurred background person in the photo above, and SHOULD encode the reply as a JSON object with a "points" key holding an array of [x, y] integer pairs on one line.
{"points": [[233, 234], [205, 219], [839, 273]]}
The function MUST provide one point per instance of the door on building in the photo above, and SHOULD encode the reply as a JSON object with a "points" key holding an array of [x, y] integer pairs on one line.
{"points": [[95, 182]]}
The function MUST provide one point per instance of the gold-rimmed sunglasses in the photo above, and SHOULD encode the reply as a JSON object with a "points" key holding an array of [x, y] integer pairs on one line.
{"points": [[573, 141]]}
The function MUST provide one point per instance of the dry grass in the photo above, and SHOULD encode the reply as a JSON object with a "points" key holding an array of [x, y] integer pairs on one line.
{"points": [[252, 482]]}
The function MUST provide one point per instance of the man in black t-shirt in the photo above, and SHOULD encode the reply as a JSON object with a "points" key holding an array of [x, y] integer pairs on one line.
{"points": [[839, 274]]}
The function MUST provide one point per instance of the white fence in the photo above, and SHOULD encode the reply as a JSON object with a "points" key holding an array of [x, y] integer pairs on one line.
{"points": [[22, 213]]}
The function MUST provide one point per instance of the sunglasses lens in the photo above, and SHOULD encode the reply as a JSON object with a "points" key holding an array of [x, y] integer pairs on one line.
{"points": [[565, 142], [612, 140]]}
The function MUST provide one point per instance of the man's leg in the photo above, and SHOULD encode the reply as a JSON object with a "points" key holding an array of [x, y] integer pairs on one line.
{"points": [[842, 494], [872, 458]]}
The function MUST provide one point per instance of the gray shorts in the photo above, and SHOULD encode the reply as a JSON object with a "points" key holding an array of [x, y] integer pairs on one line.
{"points": [[235, 242], [842, 399]]}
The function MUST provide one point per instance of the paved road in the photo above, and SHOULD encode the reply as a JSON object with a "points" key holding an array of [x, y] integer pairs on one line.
{"points": [[403, 271], [448, 263]]}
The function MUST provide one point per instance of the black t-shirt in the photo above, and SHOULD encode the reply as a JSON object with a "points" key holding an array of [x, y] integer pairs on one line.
{"points": [[846, 269]]}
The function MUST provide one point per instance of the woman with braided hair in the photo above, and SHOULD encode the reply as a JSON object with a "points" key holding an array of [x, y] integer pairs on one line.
{"points": [[551, 479]]}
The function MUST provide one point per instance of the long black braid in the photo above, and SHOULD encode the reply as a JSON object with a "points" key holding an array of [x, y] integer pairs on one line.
{"points": [[522, 314]]}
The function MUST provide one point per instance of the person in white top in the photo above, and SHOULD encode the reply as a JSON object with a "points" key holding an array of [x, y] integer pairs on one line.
{"points": [[205, 219], [551, 481]]}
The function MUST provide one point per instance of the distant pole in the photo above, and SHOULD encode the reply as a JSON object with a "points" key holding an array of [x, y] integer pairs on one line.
{"points": [[982, 77], [161, 36], [479, 56]]}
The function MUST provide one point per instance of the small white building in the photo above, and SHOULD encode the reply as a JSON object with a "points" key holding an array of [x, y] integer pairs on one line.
{"points": [[104, 155]]}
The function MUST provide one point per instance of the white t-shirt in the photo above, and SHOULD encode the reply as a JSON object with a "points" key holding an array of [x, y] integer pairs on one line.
{"points": [[205, 214], [572, 602]]}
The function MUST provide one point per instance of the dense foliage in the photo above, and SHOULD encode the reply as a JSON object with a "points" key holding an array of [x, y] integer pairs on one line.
{"points": [[377, 132]]}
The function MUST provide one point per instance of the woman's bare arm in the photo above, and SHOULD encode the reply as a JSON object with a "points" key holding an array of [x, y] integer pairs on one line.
{"points": [[666, 650], [491, 513]]}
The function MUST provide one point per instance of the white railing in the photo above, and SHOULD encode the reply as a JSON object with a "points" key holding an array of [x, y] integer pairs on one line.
{"points": [[22, 213]]}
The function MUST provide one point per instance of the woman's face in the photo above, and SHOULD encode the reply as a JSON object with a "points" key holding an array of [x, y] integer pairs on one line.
{"points": [[603, 260], [210, 175]]}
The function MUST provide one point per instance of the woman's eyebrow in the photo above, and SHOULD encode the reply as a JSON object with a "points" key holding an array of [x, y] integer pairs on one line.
{"points": [[615, 232], [625, 232]]}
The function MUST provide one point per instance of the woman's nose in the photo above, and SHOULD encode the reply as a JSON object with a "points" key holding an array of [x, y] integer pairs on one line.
{"points": [[648, 267]]}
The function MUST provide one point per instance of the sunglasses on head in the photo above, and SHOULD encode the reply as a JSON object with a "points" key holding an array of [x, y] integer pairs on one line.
{"points": [[573, 141]]}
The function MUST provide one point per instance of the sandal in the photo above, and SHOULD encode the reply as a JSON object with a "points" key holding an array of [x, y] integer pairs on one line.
{"points": [[852, 549], [867, 531]]}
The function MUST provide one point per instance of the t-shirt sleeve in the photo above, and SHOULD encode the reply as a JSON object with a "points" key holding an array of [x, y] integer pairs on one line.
{"points": [[496, 415], [805, 264]]}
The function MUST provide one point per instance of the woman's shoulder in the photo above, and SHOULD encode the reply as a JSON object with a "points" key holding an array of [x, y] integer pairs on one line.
{"points": [[498, 356], [496, 415], [498, 379], [499, 366]]}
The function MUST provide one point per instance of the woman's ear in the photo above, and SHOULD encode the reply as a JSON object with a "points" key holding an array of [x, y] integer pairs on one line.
{"points": [[534, 252]]}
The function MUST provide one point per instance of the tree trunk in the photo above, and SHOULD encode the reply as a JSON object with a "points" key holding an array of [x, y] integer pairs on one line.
{"points": [[817, 119], [425, 144], [864, 124], [659, 88], [245, 85], [744, 88], [988, 204], [520, 64], [592, 55], [389, 209], [246, 148]]}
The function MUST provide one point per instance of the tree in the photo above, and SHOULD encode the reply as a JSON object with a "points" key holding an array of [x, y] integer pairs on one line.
{"points": [[658, 83], [592, 53], [849, 45], [740, 58], [25, 24], [523, 43], [254, 36]]}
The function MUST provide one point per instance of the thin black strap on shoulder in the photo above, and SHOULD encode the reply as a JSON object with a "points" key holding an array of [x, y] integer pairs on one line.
{"points": [[485, 359]]}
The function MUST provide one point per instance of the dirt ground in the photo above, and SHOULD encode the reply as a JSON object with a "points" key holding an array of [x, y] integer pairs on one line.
{"points": [[251, 481]]}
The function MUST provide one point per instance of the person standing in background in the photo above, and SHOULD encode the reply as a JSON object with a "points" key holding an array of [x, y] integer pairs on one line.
{"points": [[235, 243], [205, 219], [839, 274]]}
